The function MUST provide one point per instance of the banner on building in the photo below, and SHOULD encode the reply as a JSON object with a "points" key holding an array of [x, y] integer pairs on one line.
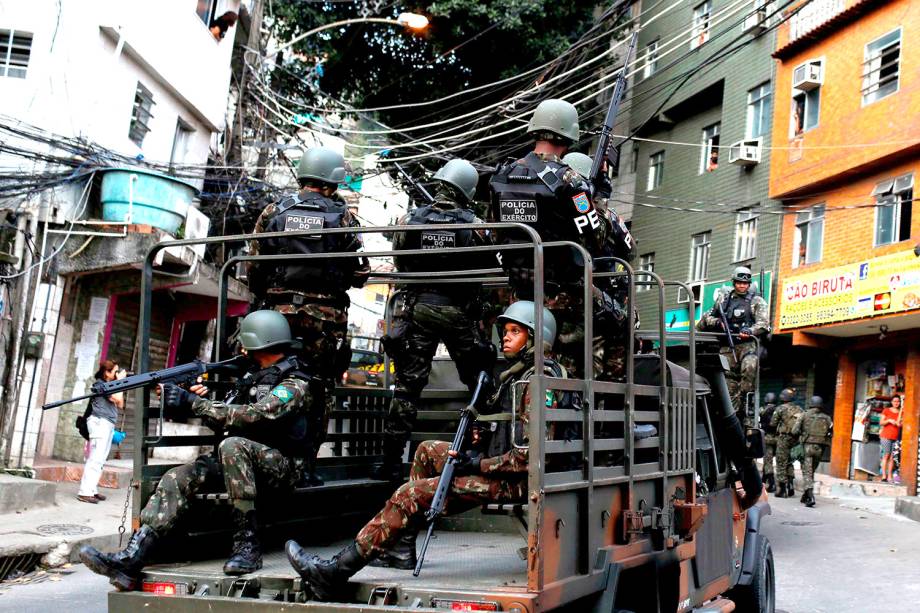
{"points": [[879, 286]]}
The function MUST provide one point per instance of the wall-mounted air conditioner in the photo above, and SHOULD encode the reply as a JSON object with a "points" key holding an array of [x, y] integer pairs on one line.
{"points": [[808, 76], [745, 152], [756, 22]]}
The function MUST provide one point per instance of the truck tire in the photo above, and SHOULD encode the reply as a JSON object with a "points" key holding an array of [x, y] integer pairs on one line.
{"points": [[760, 595]]}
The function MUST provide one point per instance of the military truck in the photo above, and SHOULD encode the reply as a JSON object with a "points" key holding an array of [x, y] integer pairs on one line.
{"points": [[649, 502]]}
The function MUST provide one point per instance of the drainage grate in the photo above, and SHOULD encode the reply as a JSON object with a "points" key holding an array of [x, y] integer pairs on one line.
{"points": [[63, 529], [15, 566]]}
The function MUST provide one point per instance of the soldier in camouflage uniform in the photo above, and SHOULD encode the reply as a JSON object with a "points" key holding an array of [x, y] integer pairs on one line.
{"points": [[478, 479], [267, 443], [784, 420], [433, 313], [748, 317], [813, 430], [769, 441], [311, 294]]}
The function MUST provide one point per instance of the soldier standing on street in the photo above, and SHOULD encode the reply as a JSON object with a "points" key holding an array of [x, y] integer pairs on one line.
{"points": [[814, 430], [769, 440], [478, 480], [267, 443], [544, 193], [748, 318], [784, 420], [433, 313], [311, 294]]}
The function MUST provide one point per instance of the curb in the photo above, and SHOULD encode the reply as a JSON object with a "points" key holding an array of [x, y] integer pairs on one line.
{"points": [[908, 506], [58, 552]]}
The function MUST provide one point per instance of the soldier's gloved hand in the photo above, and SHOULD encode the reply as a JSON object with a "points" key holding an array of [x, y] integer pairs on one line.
{"points": [[520, 276], [746, 332], [174, 397], [359, 277], [467, 463]]}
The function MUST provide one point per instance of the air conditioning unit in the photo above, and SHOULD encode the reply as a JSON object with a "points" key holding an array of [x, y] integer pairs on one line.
{"points": [[696, 288], [808, 76], [756, 22], [745, 152]]}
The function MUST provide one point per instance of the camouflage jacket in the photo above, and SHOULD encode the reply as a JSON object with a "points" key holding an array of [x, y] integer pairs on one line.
{"points": [[785, 418], [290, 396]]}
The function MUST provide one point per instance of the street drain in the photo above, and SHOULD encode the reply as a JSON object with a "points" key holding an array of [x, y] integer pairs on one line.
{"points": [[63, 529], [16, 566], [801, 523]]}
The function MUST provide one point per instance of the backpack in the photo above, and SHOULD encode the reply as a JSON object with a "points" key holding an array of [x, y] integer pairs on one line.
{"points": [[80, 423]]}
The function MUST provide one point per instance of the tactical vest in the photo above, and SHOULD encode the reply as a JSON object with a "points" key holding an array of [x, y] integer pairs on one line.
{"points": [[765, 416], [739, 311], [787, 418], [289, 435], [314, 211], [435, 240], [815, 427]]}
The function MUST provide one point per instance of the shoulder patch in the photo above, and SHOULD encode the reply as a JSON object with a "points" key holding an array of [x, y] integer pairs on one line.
{"points": [[582, 204], [283, 394]]}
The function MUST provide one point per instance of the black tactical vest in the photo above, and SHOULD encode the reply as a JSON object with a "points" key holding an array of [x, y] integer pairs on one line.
{"points": [[739, 312], [765, 416], [289, 435], [314, 211], [436, 240]]}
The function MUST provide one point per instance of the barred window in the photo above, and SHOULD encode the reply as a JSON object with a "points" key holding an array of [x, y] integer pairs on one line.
{"points": [[881, 67], [141, 115], [745, 235], [15, 49]]}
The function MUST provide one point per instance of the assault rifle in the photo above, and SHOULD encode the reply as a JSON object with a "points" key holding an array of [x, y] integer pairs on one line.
{"points": [[725, 326], [603, 142], [182, 374], [414, 183], [447, 475]]}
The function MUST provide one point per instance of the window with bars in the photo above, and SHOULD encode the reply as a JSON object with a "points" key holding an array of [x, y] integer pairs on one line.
{"points": [[655, 170], [758, 111], [808, 243], [745, 235], [701, 14], [651, 59], [15, 49], [709, 155], [141, 115], [699, 256], [894, 199], [647, 263], [881, 67]]}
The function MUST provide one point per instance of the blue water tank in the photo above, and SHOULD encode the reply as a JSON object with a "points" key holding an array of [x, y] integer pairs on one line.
{"points": [[154, 199]]}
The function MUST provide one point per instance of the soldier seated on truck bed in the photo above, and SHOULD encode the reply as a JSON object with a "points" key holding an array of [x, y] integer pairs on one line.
{"points": [[268, 441], [389, 537]]}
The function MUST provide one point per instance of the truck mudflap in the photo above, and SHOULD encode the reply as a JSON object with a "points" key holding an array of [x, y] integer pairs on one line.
{"points": [[752, 538]]}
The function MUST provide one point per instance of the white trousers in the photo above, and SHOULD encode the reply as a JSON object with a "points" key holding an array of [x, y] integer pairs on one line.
{"points": [[100, 443]]}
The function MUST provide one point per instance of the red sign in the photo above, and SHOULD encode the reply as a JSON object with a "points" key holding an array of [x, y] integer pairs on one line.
{"points": [[883, 301]]}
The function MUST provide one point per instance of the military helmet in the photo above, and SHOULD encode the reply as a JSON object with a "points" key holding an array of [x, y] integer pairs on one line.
{"points": [[787, 395], [461, 174], [265, 330], [769, 398], [524, 313], [321, 164], [579, 162], [557, 117], [742, 274], [817, 402]]}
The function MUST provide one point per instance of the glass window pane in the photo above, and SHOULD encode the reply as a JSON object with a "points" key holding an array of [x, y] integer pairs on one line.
{"points": [[815, 241], [903, 182], [812, 103]]}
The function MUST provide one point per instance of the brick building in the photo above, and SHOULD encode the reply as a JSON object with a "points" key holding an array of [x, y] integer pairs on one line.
{"points": [[847, 151]]}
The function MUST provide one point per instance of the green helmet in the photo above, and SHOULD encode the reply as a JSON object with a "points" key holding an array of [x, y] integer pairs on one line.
{"points": [[265, 330], [556, 117], [524, 313], [787, 395], [460, 174], [321, 164], [579, 162], [742, 274]]}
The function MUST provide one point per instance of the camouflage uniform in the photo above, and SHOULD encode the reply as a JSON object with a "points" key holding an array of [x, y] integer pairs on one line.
{"points": [[743, 311], [769, 438], [243, 462], [502, 478], [784, 420], [812, 429]]}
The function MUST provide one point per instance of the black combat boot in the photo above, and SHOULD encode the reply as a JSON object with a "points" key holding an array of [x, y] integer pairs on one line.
{"points": [[770, 481], [326, 578], [401, 555], [790, 489], [781, 490], [247, 554], [391, 469], [123, 567], [808, 498]]}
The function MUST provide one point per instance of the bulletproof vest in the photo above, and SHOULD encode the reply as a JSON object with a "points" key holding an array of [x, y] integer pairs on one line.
{"points": [[311, 212], [816, 426], [788, 414], [738, 311], [289, 435], [435, 240], [765, 416]]}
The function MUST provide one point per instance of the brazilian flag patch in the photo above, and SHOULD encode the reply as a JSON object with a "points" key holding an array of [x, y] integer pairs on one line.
{"points": [[283, 394]]}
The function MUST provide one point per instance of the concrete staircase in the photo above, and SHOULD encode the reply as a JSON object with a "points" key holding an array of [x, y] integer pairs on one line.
{"points": [[116, 474]]}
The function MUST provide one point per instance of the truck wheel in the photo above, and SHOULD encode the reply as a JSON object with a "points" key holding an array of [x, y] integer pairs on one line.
{"points": [[760, 595]]}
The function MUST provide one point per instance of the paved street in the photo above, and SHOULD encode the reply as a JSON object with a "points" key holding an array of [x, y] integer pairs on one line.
{"points": [[845, 555]]}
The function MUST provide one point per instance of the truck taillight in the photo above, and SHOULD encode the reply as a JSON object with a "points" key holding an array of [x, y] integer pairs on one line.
{"points": [[465, 605], [165, 588]]}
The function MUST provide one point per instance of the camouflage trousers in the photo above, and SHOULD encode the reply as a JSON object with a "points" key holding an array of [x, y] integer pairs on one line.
{"points": [[609, 359], [769, 452], [813, 453], [412, 343], [785, 471], [741, 378], [405, 510], [243, 464]]}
